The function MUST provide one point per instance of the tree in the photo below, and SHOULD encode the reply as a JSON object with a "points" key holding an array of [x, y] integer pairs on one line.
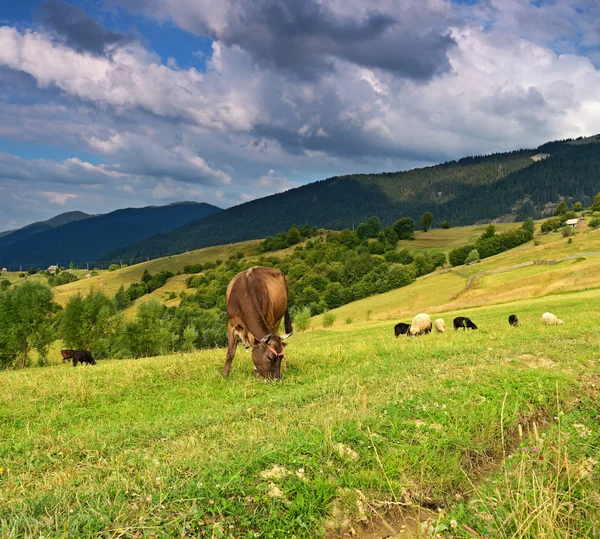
{"points": [[529, 227], [426, 220], [596, 203], [150, 333], [445, 225], [72, 265], [404, 227], [578, 206], [26, 323], [122, 299], [89, 323], [373, 227], [561, 208], [489, 232]]}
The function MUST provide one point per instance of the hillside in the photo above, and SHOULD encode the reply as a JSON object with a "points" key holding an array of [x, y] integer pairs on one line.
{"points": [[13, 236], [513, 276], [86, 241], [508, 186]]}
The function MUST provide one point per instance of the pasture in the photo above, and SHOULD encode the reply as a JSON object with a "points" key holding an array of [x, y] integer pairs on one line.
{"points": [[488, 433]]}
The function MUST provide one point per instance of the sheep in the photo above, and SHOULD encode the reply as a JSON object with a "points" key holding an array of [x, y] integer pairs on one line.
{"points": [[551, 320], [440, 325], [401, 329], [513, 320], [420, 324], [463, 322]]}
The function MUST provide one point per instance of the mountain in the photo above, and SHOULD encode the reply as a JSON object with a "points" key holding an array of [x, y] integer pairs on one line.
{"points": [[87, 240], [505, 186], [12, 236]]}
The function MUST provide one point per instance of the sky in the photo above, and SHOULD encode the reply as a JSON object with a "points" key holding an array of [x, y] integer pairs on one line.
{"points": [[106, 104]]}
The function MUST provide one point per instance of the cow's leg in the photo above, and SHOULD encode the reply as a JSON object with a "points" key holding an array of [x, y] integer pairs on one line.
{"points": [[74, 362], [231, 346]]}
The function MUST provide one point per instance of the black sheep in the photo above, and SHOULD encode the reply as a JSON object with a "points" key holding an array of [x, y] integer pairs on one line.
{"points": [[513, 320], [401, 329], [463, 322]]}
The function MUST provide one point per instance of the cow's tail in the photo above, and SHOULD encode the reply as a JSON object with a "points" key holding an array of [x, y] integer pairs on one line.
{"points": [[288, 323]]}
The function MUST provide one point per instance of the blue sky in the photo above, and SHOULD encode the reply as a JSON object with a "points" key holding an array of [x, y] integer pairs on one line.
{"points": [[113, 103]]}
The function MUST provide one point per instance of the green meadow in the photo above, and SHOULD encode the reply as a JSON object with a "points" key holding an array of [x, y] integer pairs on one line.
{"points": [[491, 433], [487, 433]]}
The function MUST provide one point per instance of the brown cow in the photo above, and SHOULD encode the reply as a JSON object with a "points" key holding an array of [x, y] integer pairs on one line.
{"points": [[256, 302]]}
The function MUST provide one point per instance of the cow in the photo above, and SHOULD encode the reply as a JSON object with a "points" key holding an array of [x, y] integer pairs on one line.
{"points": [[401, 329], [463, 322], [513, 320], [78, 356], [257, 300]]}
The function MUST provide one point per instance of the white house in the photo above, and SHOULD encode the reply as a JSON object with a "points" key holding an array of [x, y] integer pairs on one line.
{"points": [[578, 222]]}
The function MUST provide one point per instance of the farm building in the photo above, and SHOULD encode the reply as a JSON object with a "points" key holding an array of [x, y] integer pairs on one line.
{"points": [[576, 223], [52, 269], [4, 270]]}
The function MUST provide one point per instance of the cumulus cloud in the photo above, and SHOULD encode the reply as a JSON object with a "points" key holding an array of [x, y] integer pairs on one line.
{"points": [[403, 37], [78, 29], [336, 87]]}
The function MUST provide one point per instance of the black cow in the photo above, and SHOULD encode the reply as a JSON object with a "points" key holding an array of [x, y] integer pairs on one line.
{"points": [[78, 356], [463, 322], [401, 329], [513, 320]]}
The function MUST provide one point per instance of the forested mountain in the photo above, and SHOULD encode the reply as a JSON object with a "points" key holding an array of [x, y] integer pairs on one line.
{"points": [[482, 188], [87, 240], [12, 236]]}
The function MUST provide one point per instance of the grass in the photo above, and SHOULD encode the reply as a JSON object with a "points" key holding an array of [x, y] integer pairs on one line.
{"points": [[165, 446]]}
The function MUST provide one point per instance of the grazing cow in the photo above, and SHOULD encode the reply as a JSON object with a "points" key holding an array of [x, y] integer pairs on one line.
{"points": [[257, 300], [401, 329], [513, 320], [78, 356], [463, 322]]}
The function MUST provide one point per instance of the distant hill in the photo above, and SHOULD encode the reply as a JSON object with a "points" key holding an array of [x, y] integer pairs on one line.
{"points": [[12, 236], [87, 240], [507, 186]]}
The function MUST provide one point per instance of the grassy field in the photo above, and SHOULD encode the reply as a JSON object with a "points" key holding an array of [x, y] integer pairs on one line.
{"points": [[487, 433]]}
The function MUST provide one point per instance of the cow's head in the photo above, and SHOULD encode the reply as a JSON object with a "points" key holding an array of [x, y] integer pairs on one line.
{"points": [[267, 356]]}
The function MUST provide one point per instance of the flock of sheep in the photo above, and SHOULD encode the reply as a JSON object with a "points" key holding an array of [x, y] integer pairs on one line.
{"points": [[421, 324]]}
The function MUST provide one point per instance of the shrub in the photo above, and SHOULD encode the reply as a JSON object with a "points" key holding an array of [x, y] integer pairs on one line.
{"points": [[328, 319], [369, 312], [301, 320], [445, 225], [190, 336], [567, 231], [472, 257], [113, 267], [458, 256], [348, 320], [594, 223], [537, 242]]}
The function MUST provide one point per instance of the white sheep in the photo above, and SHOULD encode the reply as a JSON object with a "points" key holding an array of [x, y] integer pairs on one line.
{"points": [[440, 325], [420, 324], [550, 320]]}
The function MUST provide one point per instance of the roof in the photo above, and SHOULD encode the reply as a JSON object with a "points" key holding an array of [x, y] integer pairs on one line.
{"points": [[572, 221]]}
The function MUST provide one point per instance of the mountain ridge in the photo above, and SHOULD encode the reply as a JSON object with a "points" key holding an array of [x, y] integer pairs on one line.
{"points": [[466, 191], [87, 240]]}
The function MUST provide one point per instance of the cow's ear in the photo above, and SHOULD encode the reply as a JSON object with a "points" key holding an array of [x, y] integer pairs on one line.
{"points": [[284, 344]]}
